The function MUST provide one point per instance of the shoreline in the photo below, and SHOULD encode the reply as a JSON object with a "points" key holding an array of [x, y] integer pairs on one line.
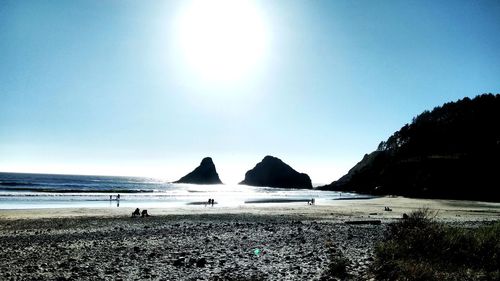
{"points": [[447, 210]]}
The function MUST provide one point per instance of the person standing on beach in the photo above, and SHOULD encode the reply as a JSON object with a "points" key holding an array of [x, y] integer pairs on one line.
{"points": [[118, 197]]}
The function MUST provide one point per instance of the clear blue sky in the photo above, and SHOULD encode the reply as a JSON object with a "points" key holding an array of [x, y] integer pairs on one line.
{"points": [[105, 87]]}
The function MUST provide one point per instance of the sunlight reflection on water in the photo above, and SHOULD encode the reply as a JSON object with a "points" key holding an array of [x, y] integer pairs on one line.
{"points": [[174, 195]]}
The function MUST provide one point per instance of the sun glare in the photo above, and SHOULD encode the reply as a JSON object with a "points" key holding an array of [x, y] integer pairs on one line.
{"points": [[222, 40]]}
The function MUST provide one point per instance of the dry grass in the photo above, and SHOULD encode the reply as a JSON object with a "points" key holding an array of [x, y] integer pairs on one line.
{"points": [[419, 248]]}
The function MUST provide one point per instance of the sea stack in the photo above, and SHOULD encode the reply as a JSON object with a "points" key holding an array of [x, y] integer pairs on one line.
{"points": [[273, 172], [203, 174]]}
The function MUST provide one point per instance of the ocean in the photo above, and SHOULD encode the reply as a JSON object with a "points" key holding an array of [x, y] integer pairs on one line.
{"points": [[32, 191]]}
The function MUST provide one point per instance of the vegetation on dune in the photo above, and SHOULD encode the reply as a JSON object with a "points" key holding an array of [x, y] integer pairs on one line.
{"points": [[419, 248]]}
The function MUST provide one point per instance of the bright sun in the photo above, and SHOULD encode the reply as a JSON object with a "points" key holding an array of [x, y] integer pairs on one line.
{"points": [[222, 40]]}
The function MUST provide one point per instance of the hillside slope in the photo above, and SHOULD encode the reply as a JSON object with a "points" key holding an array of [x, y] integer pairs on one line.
{"points": [[452, 151]]}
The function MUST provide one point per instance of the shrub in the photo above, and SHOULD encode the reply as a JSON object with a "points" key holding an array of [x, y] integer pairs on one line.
{"points": [[419, 248], [338, 265]]}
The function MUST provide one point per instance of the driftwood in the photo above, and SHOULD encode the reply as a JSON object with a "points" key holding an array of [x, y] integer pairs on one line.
{"points": [[374, 222]]}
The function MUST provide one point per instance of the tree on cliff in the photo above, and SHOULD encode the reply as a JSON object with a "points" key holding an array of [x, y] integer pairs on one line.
{"points": [[452, 151]]}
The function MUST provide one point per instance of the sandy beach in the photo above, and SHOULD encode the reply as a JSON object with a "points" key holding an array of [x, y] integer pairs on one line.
{"points": [[447, 210], [287, 241]]}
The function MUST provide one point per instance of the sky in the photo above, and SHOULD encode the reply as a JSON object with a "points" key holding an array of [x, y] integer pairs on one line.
{"points": [[149, 88]]}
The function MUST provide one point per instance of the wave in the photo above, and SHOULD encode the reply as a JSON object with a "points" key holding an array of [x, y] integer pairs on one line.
{"points": [[86, 190], [51, 184], [68, 184], [16, 183], [75, 183]]}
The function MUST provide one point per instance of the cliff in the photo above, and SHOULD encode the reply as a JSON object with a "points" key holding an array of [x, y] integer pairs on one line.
{"points": [[452, 151]]}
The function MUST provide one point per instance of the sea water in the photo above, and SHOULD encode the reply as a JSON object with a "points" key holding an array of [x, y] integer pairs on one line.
{"points": [[31, 191]]}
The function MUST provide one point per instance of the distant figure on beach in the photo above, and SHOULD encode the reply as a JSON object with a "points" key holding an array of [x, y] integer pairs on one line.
{"points": [[144, 213], [312, 201], [118, 197], [137, 212], [387, 209], [209, 201], [110, 197]]}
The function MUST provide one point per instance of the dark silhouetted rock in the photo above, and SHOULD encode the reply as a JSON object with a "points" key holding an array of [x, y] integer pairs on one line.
{"points": [[452, 152], [179, 261], [201, 262], [203, 174], [273, 172]]}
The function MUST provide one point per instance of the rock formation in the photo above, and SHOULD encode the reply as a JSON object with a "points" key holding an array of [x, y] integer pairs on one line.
{"points": [[273, 172], [203, 174]]}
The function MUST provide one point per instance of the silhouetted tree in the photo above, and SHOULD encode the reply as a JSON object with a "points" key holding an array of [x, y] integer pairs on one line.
{"points": [[451, 151]]}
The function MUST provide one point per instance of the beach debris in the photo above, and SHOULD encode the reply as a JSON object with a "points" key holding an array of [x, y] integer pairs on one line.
{"points": [[372, 222], [179, 261]]}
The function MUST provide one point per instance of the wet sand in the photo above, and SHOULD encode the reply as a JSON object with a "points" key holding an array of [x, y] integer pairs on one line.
{"points": [[294, 241], [447, 210]]}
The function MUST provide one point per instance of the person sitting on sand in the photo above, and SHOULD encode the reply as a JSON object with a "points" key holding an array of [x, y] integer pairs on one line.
{"points": [[137, 212], [144, 213]]}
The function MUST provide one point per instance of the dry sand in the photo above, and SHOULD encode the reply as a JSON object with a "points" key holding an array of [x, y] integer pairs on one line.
{"points": [[294, 241], [447, 210]]}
